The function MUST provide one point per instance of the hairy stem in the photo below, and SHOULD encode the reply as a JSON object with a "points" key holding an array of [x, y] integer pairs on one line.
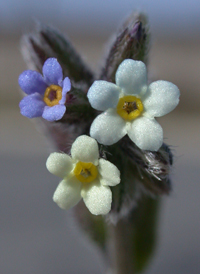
{"points": [[132, 239], [122, 248]]}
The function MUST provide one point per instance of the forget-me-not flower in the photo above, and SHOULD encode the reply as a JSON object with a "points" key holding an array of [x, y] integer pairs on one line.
{"points": [[84, 176], [46, 94], [130, 106]]}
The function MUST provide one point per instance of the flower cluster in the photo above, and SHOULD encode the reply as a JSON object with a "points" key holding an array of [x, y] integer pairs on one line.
{"points": [[129, 107]]}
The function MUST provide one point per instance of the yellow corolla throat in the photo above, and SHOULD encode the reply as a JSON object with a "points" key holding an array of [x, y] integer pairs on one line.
{"points": [[85, 172], [52, 95], [129, 107]]}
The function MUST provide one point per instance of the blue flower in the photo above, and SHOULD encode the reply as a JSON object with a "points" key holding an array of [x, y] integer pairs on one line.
{"points": [[46, 94]]}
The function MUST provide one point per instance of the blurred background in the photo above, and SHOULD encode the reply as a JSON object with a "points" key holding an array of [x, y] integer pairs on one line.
{"points": [[35, 235]]}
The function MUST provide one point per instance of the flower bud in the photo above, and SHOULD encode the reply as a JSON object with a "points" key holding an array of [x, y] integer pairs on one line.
{"points": [[47, 42], [131, 42]]}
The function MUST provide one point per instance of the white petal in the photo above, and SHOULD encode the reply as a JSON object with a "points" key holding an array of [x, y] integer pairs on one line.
{"points": [[85, 149], [97, 198], [163, 97], [68, 193], [103, 95], [131, 76], [110, 174], [108, 127], [146, 133], [59, 164]]}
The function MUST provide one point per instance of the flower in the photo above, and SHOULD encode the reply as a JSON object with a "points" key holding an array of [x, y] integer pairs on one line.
{"points": [[84, 176], [46, 94], [130, 106]]}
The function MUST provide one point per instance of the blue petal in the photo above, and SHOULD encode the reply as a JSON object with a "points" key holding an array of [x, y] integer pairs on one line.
{"points": [[31, 82], [32, 106], [54, 113], [52, 72], [66, 88]]}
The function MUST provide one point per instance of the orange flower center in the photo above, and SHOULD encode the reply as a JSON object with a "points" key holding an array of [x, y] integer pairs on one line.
{"points": [[85, 172], [52, 95], [129, 107]]}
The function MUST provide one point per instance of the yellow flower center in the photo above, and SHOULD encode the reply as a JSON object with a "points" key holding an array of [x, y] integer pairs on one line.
{"points": [[52, 95], [85, 172], [129, 107]]}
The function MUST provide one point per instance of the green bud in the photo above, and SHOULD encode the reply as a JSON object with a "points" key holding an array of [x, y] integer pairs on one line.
{"points": [[47, 42], [131, 42]]}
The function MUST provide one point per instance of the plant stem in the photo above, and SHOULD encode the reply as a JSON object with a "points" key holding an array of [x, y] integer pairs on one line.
{"points": [[122, 247], [132, 239]]}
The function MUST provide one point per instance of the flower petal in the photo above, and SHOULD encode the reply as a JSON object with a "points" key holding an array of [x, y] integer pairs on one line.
{"points": [[54, 113], [31, 82], [110, 173], [52, 72], [163, 97], [59, 164], [66, 88], [32, 106], [97, 198], [67, 193], [103, 95], [108, 127], [146, 133], [85, 149], [131, 76]]}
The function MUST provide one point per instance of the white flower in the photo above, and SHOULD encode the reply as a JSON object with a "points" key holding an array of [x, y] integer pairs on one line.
{"points": [[84, 176], [130, 106]]}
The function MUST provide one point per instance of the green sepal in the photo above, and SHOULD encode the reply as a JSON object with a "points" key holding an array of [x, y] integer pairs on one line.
{"points": [[78, 109]]}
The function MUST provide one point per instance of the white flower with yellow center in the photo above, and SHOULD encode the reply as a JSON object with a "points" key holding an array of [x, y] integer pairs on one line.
{"points": [[130, 106], [84, 176]]}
